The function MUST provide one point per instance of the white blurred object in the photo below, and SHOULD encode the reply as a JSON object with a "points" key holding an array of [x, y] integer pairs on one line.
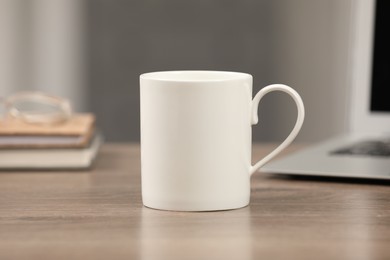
{"points": [[57, 52], [10, 46], [42, 48]]}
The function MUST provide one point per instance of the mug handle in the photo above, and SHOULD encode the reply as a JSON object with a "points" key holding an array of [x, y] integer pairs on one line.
{"points": [[254, 119]]}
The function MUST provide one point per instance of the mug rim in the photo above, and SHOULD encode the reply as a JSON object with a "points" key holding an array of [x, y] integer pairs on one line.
{"points": [[194, 76]]}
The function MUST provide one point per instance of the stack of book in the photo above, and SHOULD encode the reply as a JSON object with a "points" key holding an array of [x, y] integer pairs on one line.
{"points": [[69, 145]]}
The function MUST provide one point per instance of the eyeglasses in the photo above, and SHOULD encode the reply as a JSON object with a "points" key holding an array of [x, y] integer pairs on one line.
{"points": [[36, 108]]}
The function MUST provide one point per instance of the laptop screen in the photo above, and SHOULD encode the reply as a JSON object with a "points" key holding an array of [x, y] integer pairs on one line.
{"points": [[380, 81]]}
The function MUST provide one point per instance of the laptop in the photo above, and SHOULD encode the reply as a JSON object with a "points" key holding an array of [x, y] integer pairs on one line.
{"points": [[363, 152]]}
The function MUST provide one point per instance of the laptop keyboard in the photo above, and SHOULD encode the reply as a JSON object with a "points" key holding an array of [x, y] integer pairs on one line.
{"points": [[368, 148]]}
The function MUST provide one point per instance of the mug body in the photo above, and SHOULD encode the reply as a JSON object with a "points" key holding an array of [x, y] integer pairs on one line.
{"points": [[195, 140]]}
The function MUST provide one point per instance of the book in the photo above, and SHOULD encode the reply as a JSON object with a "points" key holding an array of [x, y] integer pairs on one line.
{"points": [[78, 124], [68, 145], [14, 140], [51, 158], [76, 132]]}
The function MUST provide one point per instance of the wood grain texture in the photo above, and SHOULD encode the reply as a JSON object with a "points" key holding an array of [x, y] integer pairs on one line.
{"points": [[98, 214]]}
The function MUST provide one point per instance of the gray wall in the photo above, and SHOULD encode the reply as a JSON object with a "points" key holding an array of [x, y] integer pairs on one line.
{"points": [[302, 43]]}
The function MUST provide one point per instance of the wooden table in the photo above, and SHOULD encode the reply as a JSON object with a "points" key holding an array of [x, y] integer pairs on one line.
{"points": [[98, 214]]}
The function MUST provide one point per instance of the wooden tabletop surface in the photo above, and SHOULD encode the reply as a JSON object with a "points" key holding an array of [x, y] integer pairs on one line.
{"points": [[98, 214]]}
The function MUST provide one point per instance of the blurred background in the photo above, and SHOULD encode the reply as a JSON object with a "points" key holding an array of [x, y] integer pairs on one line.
{"points": [[93, 51]]}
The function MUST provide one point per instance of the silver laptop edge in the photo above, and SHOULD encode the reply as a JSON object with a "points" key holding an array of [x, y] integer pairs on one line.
{"points": [[318, 160]]}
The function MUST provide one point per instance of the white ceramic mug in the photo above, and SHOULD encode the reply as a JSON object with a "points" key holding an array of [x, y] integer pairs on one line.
{"points": [[196, 138]]}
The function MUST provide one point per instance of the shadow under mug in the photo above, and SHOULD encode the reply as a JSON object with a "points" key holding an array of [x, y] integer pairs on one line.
{"points": [[196, 138]]}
